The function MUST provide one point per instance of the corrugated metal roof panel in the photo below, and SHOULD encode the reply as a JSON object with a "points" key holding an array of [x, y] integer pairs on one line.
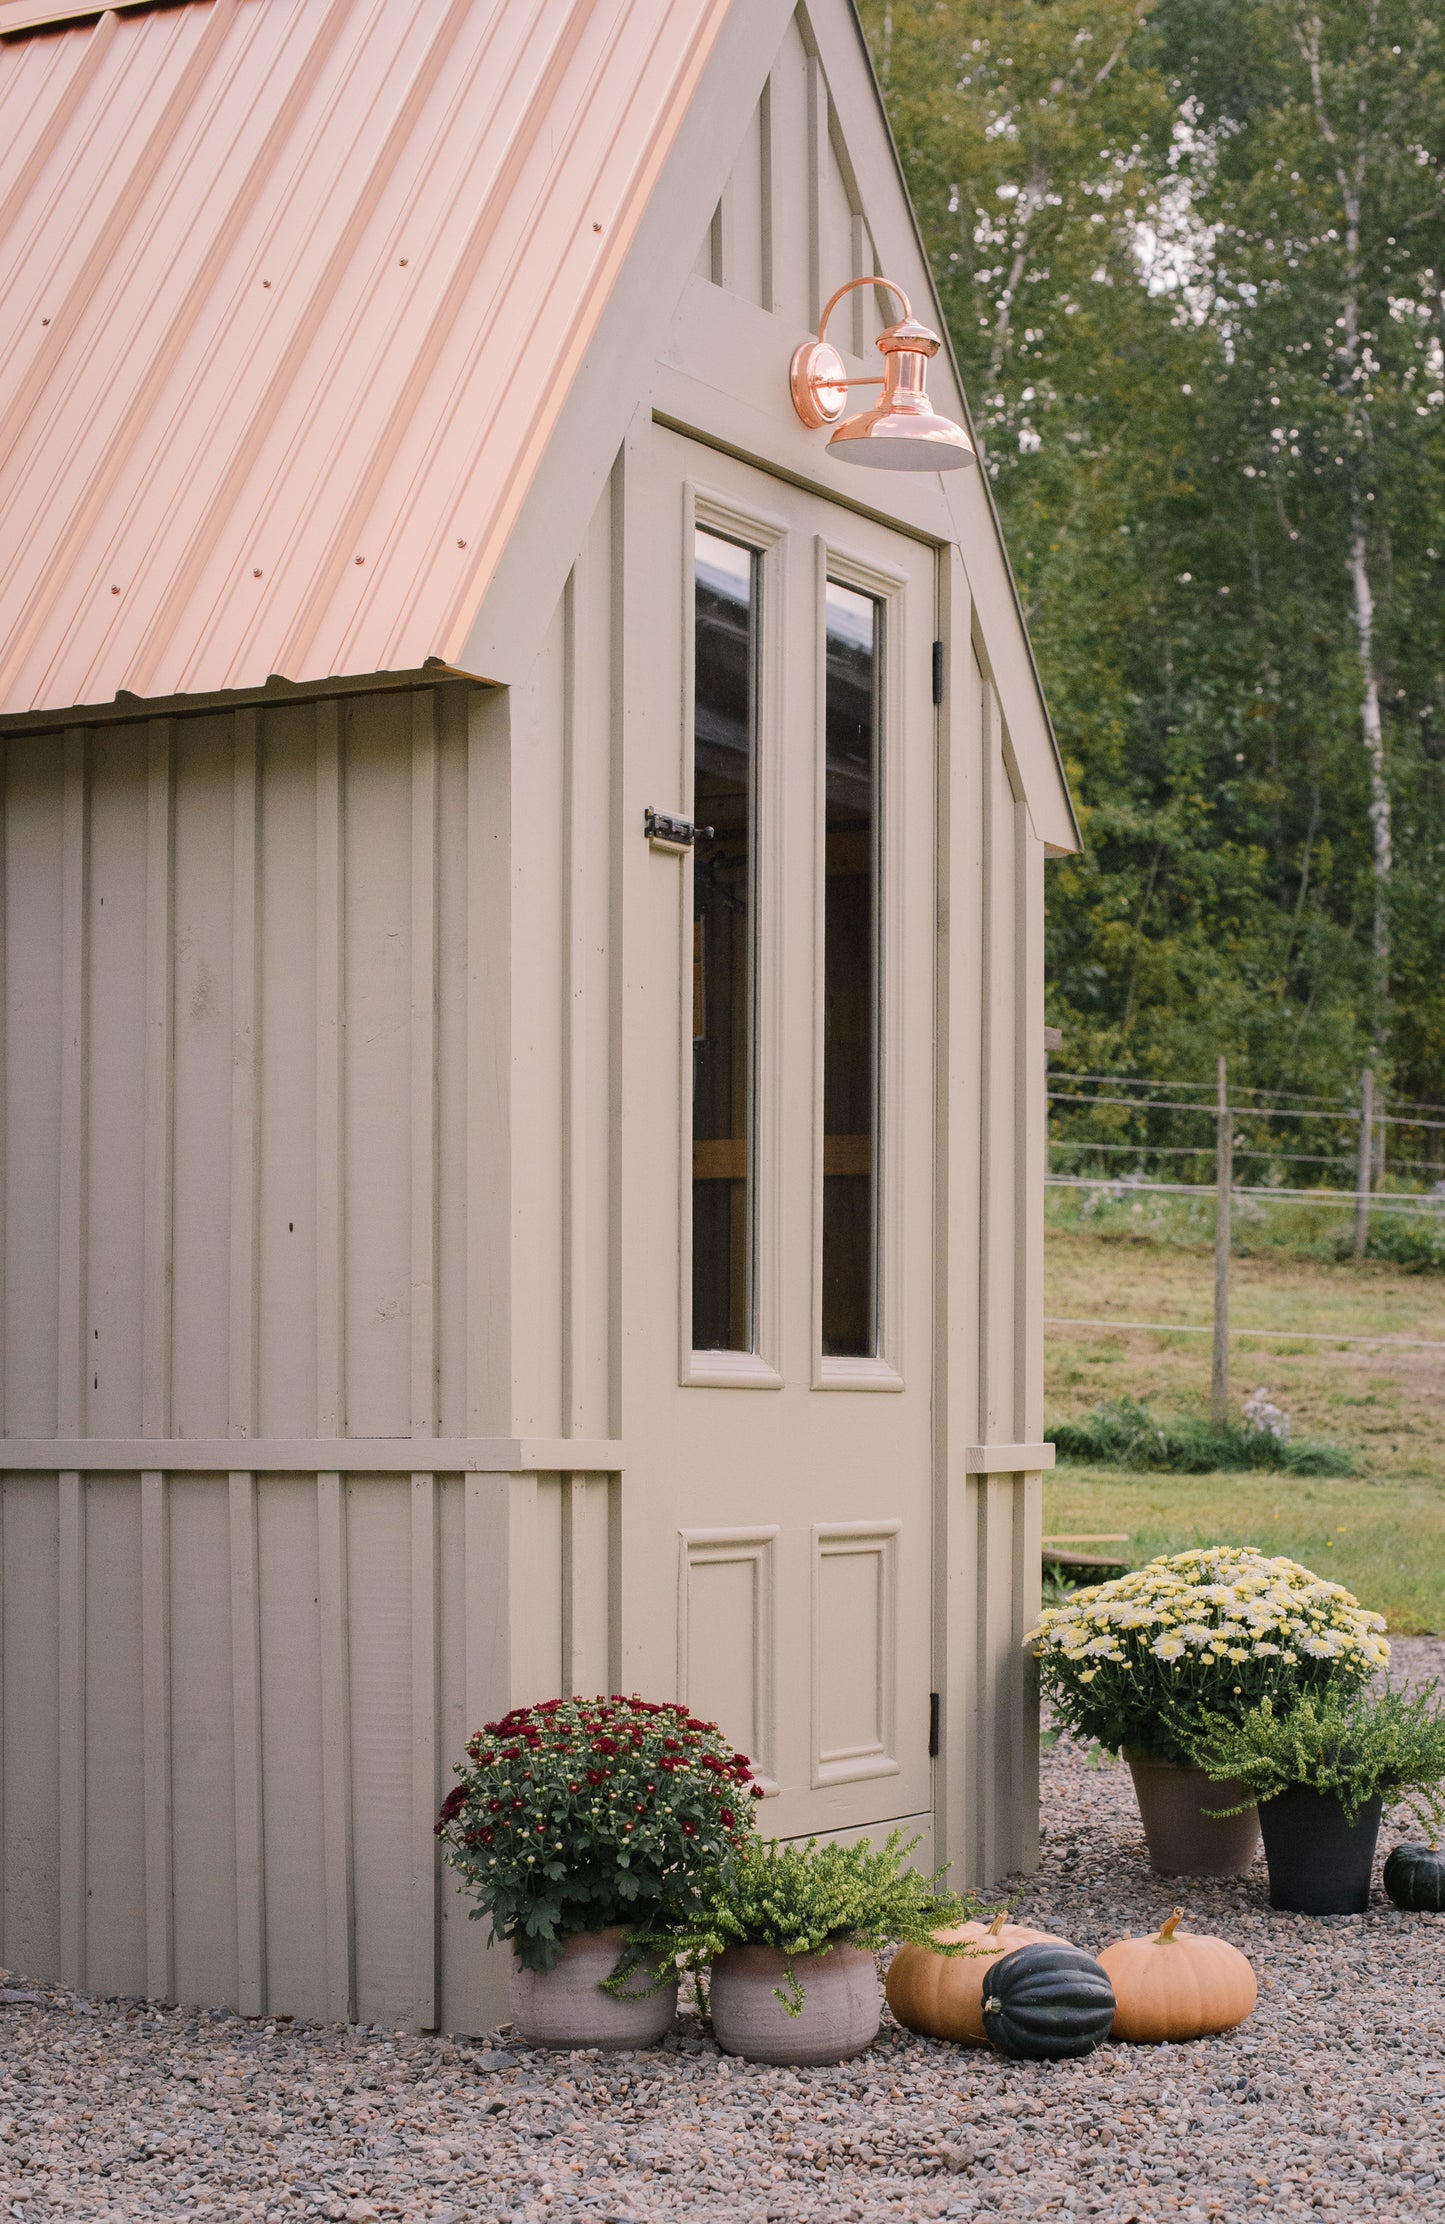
{"points": [[293, 294]]}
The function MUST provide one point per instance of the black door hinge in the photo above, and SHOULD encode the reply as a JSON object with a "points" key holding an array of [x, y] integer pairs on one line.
{"points": [[938, 671], [933, 1725]]}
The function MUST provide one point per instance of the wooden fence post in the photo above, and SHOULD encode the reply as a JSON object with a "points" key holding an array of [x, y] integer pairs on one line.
{"points": [[1224, 1181], [1362, 1185]]}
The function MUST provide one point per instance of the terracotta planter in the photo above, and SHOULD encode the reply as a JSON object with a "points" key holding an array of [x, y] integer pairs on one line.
{"points": [[842, 2004], [1319, 1864], [1183, 1840], [566, 2006]]}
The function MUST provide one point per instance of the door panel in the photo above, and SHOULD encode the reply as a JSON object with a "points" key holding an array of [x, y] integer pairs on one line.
{"points": [[778, 1085]]}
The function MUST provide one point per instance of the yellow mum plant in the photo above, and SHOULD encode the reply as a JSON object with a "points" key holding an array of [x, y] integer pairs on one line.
{"points": [[1141, 1661]]}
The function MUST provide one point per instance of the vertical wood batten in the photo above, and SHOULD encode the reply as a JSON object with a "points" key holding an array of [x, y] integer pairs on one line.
{"points": [[817, 155], [425, 1699], [489, 1064], [765, 182], [156, 1734], [330, 1121], [424, 1137], [246, 1746], [71, 1728], [157, 1267], [245, 960], [74, 900], [1022, 1700], [956, 1262], [1031, 1123], [336, 1752], [4, 1152]]}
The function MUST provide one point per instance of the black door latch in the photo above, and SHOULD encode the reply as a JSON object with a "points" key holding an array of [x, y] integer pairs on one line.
{"points": [[665, 831]]}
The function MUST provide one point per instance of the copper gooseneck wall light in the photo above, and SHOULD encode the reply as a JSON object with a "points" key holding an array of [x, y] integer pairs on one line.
{"points": [[903, 433]]}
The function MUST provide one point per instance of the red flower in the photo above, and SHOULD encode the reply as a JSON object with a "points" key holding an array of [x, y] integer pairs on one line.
{"points": [[596, 1775], [452, 1805], [494, 1806], [485, 1837], [689, 1830], [640, 1808], [728, 1818], [757, 1791]]}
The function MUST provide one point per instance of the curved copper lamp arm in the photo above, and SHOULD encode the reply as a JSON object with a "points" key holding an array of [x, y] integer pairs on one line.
{"points": [[819, 378], [851, 287]]}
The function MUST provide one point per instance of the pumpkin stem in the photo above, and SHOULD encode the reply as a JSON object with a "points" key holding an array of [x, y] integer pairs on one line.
{"points": [[1167, 1929], [998, 1923]]}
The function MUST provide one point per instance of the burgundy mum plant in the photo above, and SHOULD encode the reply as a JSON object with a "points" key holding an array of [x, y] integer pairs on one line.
{"points": [[579, 1813]]}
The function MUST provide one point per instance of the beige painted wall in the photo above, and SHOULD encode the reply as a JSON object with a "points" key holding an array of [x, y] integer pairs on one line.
{"points": [[321, 1256], [275, 1495]]}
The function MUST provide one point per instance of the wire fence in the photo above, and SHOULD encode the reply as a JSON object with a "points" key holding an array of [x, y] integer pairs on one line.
{"points": [[1393, 1157]]}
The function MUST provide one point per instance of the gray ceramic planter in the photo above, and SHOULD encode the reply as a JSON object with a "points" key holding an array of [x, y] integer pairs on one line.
{"points": [[842, 2004], [566, 2006], [1183, 1840]]}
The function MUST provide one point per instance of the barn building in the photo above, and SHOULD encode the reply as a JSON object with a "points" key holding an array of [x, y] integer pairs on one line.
{"points": [[523, 1097]]}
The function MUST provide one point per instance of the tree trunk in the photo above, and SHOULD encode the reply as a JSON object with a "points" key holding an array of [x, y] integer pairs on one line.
{"points": [[1374, 739], [1350, 179]]}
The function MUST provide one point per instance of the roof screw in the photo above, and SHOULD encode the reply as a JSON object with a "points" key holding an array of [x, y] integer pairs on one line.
{"points": [[597, 227], [404, 261], [255, 575], [265, 281], [45, 320], [461, 544], [361, 559], [115, 590]]}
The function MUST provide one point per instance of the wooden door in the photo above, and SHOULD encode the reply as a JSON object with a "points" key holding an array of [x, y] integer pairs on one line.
{"points": [[777, 1132]]}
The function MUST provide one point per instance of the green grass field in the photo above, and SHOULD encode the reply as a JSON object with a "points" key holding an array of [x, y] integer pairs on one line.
{"points": [[1384, 1534]]}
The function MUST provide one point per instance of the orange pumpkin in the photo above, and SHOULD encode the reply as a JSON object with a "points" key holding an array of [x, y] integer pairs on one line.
{"points": [[941, 1995], [1177, 1985]]}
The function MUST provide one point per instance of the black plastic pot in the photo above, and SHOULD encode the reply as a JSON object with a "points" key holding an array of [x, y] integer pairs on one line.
{"points": [[1319, 1864]]}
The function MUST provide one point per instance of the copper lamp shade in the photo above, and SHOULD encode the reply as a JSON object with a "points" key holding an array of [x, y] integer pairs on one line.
{"points": [[903, 432]]}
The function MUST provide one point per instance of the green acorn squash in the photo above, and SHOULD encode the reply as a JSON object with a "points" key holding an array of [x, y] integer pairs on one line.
{"points": [[1415, 1878], [1047, 2004]]}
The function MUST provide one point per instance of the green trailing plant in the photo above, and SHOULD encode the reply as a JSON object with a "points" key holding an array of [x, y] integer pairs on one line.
{"points": [[578, 1814], [1125, 1432], [1146, 1660], [1359, 1745], [807, 1899]]}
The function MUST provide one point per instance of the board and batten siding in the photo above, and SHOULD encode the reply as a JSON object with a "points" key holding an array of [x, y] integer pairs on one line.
{"points": [[316, 1276], [308, 1367]]}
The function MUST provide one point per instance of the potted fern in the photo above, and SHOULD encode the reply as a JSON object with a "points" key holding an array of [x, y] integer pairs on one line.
{"points": [[788, 1935], [1320, 1771]]}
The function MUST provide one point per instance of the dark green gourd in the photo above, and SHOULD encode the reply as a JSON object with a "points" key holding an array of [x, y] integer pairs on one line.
{"points": [[1047, 2003], [1415, 1878]]}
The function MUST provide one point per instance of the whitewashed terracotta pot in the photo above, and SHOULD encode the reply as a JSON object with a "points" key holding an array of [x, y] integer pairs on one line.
{"points": [[842, 2004], [566, 2006]]}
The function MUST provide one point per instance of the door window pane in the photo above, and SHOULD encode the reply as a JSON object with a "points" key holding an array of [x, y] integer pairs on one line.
{"points": [[724, 738], [850, 977]]}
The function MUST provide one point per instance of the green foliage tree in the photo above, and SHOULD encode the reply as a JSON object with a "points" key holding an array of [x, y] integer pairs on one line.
{"points": [[1192, 255]]}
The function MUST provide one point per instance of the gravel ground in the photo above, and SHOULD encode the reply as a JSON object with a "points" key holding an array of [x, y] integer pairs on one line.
{"points": [[1330, 2101]]}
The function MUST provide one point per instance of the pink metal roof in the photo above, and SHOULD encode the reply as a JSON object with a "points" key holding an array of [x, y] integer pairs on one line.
{"points": [[291, 295]]}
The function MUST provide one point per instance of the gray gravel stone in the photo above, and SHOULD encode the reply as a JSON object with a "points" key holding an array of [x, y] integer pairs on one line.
{"points": [[1329, 2102]]}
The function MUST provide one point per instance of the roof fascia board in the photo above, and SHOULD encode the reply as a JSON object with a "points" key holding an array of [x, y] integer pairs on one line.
{"points": [[848, 67], [617, 372], [17, 16], [277, 694]]}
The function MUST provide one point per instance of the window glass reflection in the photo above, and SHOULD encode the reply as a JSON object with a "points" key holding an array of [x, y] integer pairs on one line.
{"points": [[723, 965], [850, 977]]}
